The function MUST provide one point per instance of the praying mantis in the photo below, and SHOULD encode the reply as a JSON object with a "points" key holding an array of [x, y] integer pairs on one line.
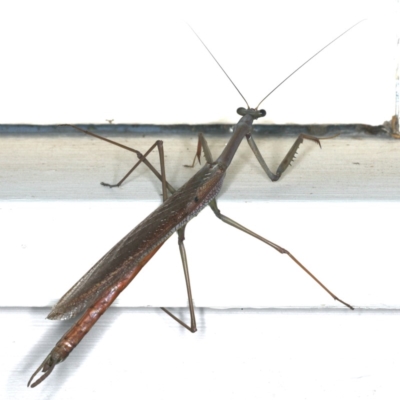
{"points": [[101, 285]]}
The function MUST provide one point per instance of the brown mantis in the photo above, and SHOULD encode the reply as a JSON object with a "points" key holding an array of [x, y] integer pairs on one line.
{"points": [[101, 285]]}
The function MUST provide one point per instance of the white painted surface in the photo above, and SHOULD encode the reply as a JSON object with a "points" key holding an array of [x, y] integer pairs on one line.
{"points": [[343, 226], [88, 62], [138, 62], [337, 210], [252, 354]]}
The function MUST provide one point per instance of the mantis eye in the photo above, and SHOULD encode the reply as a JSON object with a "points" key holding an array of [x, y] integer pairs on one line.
{"points": [[241, 111]]}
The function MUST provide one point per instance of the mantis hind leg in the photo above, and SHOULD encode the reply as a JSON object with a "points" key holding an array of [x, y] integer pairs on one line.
{"points": [[223, 218], [192, 327], [201, 144]]}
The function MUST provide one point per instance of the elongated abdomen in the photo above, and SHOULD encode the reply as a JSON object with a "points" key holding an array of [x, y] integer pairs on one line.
{"points": [[154, 230]]}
